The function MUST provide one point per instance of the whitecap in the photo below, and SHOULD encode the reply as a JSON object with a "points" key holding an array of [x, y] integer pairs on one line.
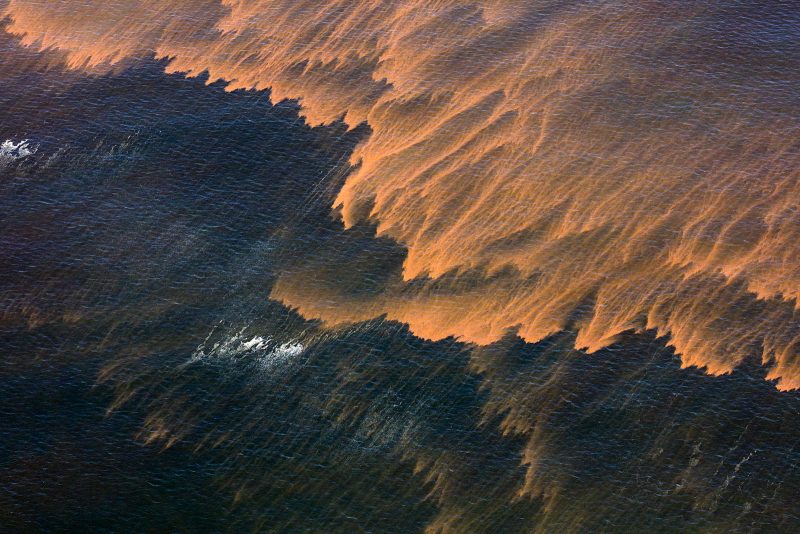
{"points": [[11, 151], [256, 343], [259, 353], [281, 355]]}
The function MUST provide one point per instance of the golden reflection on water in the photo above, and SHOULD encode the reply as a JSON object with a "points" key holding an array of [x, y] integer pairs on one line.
{"points": [[626, 162]]}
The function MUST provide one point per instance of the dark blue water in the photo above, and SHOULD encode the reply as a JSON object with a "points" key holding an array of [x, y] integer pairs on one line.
{"points": [[147, 383]]}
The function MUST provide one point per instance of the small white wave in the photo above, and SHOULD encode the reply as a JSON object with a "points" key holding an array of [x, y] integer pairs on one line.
{"points": [[256, 343], [257, 352], [281, 355], [11, 151]]}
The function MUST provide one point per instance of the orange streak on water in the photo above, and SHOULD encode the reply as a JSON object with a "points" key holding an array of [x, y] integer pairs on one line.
{"points": [[606, 166]]}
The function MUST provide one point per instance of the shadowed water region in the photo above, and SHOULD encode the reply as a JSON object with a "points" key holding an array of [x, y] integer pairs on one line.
{"points": [[148, 382]]}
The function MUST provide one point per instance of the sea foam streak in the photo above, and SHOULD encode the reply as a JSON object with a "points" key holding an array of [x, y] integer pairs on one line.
{"points": [[603, 166]]}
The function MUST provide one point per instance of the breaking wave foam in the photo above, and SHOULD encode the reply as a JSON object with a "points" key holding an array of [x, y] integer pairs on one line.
{"points": [[11, 151], [257, 352]]}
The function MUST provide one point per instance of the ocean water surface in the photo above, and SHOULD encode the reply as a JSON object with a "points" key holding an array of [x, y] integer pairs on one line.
{"points": [[403, 266]]}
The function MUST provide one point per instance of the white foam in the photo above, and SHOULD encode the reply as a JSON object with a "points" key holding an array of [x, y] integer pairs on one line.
{"points": [[256, 343], [10, 151], [280, 355], [257, 352]]}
